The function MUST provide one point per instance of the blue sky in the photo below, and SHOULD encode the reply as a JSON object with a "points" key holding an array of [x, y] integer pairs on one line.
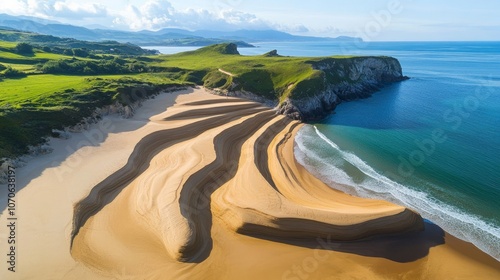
{"points": [[375, 20]]}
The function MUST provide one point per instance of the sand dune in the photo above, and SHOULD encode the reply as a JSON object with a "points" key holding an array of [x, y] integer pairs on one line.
{"points": [[244, 145], [210, 189]]}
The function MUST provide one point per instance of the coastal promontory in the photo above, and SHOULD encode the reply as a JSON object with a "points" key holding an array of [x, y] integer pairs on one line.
{"points": [[302, 88]]}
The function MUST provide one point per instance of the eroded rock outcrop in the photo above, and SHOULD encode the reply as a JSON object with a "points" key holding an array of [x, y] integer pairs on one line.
{"points": [[337, 80]]}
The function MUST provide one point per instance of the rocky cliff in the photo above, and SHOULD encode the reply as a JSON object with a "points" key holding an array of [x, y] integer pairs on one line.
{"points": [[337, 80]]}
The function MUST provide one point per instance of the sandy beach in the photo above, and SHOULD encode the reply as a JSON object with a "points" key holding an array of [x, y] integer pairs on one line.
{"points": [[199, 186]]}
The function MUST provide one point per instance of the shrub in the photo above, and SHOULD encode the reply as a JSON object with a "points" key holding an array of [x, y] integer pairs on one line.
{"points": [[88, 71], [24, 48], [54, 67], [77, 67], [215, 79], [13, 73], [137, 67], [80, 52], [68, 52]]}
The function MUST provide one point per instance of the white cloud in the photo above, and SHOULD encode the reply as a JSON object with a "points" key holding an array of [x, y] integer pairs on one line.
{"points": [[25, 7], [157, 14], [53, 9], [148, 14], [153, 14], [297, 28], [76, 10]]}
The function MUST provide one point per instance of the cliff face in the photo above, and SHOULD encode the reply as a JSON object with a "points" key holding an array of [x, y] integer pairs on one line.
{"points": [[337, 80]]}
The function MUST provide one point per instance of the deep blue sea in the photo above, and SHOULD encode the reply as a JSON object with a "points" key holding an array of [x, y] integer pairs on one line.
{"points": [[431, 143]]}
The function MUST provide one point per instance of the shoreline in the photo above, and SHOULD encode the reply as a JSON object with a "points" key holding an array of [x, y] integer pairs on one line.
{"points": [[394, 192], [228, 203]]}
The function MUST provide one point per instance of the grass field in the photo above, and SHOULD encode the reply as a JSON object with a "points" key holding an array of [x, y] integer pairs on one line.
{"points": [[26, 62], [35, 88], [4, 44], [22, 67], [33, 105]]}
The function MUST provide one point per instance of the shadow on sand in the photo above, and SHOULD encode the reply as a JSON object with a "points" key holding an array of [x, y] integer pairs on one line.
{"points": [[401, 248]]}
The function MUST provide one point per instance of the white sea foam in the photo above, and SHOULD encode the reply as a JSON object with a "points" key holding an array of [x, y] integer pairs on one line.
{"points": [[310, 152]]}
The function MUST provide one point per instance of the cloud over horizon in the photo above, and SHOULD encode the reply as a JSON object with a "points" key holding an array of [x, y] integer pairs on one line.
{"points": [[50, 9], [149, 15], [157, 14]]}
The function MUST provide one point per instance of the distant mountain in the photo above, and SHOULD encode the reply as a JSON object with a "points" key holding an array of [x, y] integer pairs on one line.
{"points": [[163, 37], [248, 35], [34, 19], [41, 26], [267, 36]]}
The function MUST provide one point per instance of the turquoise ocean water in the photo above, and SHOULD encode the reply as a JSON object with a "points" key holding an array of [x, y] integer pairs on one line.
{"points": [[431, 143]]}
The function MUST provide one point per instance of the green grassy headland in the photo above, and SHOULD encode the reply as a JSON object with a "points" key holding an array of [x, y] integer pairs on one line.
{"points": [[62, 81]]}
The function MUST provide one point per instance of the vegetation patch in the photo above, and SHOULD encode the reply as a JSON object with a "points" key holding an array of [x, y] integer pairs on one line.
{"points": [[216, 79]]}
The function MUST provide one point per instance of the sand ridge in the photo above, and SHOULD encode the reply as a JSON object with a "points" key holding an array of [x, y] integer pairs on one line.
{"points": [[209, 188], [248, 142]]}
